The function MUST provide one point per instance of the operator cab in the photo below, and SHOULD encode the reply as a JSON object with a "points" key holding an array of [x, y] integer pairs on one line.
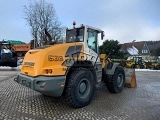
{"points": [[86, 34], [7, 56], [5, 47], [138, 60]]}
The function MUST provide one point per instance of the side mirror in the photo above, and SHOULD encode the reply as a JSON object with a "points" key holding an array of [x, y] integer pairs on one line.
{"points": [[102, 35]]}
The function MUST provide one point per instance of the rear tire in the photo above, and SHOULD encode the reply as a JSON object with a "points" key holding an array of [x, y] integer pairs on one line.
{"points": [[115, 83], [14, 64], [80, 88], [142, 66]]}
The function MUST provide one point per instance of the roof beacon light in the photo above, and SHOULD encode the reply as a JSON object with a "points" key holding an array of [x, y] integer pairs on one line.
{"points": [[74, 23]]}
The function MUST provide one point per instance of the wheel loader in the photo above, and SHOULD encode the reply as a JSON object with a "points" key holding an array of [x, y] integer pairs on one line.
{"points": [[156, 66], [71, 69], [136, 62], [153, 65]]}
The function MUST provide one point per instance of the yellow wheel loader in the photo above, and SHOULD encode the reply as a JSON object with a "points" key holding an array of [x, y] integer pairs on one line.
{"points": [[156, 66], [136, 62], [71, 69]]}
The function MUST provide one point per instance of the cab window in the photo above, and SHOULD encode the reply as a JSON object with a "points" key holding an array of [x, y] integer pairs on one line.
{"points": [[92, 40], [75, 35]]}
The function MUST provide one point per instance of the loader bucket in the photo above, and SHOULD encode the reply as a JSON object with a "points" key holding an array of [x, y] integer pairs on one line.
{"points": [[130, 78]]}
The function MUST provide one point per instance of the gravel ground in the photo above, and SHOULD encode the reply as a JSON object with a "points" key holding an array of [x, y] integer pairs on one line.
{"points": [[141, 103]]}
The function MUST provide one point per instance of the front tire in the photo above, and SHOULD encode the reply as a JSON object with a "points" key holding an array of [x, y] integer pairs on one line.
{"points": [[133, 66], [80, 88], [115, 83]]}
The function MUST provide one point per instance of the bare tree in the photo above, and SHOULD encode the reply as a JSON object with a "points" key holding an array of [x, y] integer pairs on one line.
{"points": [[41, 17]]}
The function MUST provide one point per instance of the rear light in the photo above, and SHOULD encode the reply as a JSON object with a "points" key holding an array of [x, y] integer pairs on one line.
{"points": [[42, 86], [48, 71]]}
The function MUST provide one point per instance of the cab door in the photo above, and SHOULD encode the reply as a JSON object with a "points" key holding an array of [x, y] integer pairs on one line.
{"points": [[93, 49]]}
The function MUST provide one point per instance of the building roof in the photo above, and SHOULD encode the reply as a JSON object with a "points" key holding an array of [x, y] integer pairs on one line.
{"points": [[152, 46], [138, 45], [133, 51]]}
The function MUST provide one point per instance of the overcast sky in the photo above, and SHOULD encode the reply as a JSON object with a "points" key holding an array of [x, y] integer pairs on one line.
{"points": [[122, 20]]}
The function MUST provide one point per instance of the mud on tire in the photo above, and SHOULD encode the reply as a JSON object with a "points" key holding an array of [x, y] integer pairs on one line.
{"points": [[80, 88]]}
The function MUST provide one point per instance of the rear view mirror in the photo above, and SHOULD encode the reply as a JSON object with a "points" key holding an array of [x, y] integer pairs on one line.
{"points": [[102, 35]]}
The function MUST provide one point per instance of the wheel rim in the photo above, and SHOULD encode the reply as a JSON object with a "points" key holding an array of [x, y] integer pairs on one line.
{"points": [[120, 80], [84, 88]]}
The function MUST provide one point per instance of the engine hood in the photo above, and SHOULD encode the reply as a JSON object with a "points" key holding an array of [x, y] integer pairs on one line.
{"points": [[37, 61]]}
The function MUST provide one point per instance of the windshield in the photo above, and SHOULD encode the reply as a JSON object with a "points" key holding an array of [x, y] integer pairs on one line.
{"points": [[75, 35], [5, 46]]}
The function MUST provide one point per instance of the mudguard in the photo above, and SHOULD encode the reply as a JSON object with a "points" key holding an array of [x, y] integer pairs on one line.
{"points": [[110, 68]]}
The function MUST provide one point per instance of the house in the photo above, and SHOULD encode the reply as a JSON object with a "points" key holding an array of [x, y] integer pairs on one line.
{"points": [[137, 49], [154, 47]]}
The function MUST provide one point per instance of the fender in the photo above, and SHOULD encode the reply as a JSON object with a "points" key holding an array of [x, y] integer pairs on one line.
{"points": [[82, 64], [110, 68]]}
